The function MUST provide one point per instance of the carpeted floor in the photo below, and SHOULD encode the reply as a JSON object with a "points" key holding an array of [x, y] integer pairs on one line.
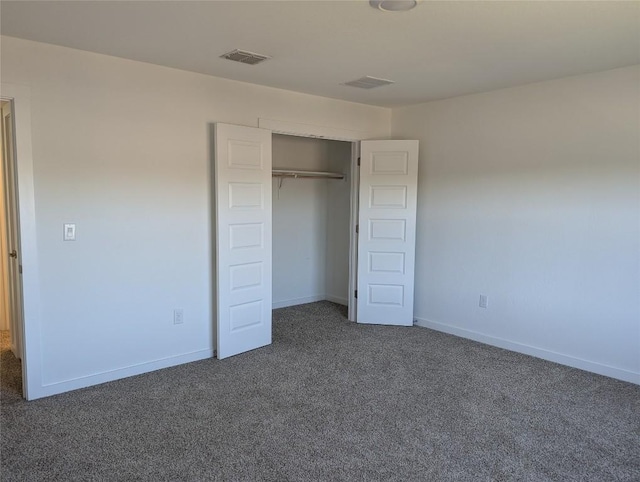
{"points": [[333, 400], [10, 373]]}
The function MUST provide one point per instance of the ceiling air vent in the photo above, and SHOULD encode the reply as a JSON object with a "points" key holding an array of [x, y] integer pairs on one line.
{"points": [[245, 57], [368, 82]]}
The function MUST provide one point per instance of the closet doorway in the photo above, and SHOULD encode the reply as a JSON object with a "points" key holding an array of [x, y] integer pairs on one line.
{"points": [[11, 320], [9, 234], [311, 209], [277, 248]]}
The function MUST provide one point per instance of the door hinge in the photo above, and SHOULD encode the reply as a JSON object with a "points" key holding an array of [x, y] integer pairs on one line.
{"points": [[357, 228], [358, 162], [355, 294], [20, 269]]}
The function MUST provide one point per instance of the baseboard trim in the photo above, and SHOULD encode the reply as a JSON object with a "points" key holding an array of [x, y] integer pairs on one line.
{"points": [[337, 299], [599, 368], [112, 375], [297, 301], [309, 299], [14, 350]]}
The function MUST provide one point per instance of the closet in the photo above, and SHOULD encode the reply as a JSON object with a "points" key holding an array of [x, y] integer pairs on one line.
{"points": [[311, 207], [301, 219]]}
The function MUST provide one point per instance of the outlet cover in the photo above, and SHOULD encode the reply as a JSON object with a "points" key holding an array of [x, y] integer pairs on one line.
{"points": [[484, 301], [69, 233], [178, 316]]}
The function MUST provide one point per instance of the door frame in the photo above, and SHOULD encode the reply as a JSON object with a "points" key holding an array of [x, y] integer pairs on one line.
{"points": [[20, 98], [5, 292], [12, 291], [334, 134]]}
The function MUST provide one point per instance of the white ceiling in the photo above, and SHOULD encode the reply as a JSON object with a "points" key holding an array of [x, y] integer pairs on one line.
{"points": [[437, 50]]}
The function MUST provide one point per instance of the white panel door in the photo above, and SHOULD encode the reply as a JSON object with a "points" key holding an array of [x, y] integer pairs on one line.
{"points": [[243, 238], [387, 231]]}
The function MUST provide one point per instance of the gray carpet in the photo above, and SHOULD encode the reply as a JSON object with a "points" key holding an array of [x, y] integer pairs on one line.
{"points": [[10, 373], [332, 400]]}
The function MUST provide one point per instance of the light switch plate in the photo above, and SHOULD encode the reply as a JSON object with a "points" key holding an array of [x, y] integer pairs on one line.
{"points": [[69, 232]]}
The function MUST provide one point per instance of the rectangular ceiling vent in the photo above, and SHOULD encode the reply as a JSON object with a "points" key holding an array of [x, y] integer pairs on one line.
{"points": [[368, 82], [245, 57]]}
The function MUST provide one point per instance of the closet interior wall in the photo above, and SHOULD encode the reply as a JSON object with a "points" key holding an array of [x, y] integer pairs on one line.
{"points": [[310, 222]]}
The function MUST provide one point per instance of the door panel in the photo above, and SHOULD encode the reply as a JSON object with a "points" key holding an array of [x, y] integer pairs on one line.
{"points": [[386, 243], [243, 238]]}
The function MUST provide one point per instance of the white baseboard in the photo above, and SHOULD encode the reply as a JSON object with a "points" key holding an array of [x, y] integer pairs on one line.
{"points": [[337, 299], [109, 376], [14, 350], [309, 299], [297, 301], [594, 367]]}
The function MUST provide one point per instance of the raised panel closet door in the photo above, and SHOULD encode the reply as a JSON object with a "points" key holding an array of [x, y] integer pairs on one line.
{"points": [[243, 238], [387, 234]]}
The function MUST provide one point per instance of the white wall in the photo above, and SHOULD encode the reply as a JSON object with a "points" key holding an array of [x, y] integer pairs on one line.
{"points": [[531, 195], [122, 149]]}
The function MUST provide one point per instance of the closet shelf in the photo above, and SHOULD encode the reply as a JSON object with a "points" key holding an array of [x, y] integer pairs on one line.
{"points": [[298, 174]]}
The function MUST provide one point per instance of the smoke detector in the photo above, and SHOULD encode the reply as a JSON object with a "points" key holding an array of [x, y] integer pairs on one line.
{"points": [[368, 82], [393, 5], [245, 57]]}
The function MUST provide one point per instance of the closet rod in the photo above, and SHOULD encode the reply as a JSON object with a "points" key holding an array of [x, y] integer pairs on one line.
{"points": [[306, 174]]}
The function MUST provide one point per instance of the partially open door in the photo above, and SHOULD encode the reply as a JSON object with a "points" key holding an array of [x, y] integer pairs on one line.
{"points": [[243, 238], [387, 231]]}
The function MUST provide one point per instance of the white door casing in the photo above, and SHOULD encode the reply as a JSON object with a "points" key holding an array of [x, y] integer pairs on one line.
{"points": [[243, 238], [5, 296], [13, 233], [387, 231]]}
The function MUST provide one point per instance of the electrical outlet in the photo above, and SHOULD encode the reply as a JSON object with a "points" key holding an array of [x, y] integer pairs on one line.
{"points": [[69, 232], [178, 316], [484, 301]]}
